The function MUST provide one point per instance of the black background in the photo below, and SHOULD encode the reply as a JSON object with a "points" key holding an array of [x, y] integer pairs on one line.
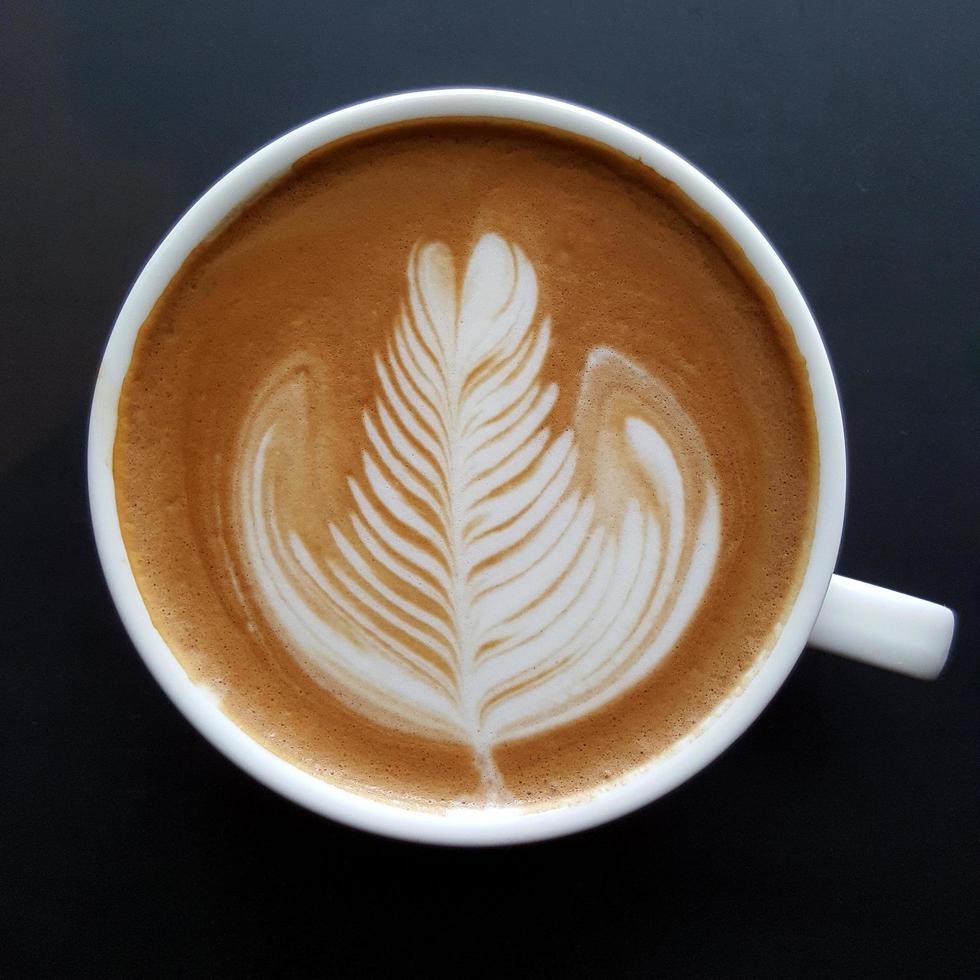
{"points": [[838, 838]]}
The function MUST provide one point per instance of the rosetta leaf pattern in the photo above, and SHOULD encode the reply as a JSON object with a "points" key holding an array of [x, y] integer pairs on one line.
{"points": [[482, 588]]}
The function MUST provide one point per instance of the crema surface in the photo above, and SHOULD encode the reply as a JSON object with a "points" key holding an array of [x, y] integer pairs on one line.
{"points": [[469, 462]]}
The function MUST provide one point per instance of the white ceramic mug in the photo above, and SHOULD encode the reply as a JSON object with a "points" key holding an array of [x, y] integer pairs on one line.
{"points": [[832, 613]]}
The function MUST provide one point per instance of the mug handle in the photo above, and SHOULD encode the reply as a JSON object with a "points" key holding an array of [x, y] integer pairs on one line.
{"points": [[884, 628]]}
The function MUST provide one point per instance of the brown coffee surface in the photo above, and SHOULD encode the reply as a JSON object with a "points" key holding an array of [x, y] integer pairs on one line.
{"points": [[305, 289]]}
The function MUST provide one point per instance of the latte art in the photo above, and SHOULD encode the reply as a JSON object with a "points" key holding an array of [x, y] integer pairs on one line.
{"points": [[493, 579], [469, 462]]}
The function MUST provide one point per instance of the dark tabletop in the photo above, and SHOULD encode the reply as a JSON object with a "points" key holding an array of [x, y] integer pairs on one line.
{"points": [[838, 838]]}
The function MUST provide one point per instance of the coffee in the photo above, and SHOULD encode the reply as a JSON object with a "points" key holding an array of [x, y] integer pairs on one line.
{"points": [[470, 461]]}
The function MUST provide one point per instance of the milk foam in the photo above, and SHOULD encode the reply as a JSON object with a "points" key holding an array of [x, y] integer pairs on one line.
{"points": [[493, 579]]}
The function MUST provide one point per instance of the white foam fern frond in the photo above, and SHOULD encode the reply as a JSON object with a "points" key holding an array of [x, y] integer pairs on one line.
{"points": [[478, 590]]}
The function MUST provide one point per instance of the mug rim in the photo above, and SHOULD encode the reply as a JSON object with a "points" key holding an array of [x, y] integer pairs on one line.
{"points": [[466, 825]]}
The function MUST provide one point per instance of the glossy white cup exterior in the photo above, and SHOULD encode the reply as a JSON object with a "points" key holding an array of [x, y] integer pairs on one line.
{"points": [[463, 825]]}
